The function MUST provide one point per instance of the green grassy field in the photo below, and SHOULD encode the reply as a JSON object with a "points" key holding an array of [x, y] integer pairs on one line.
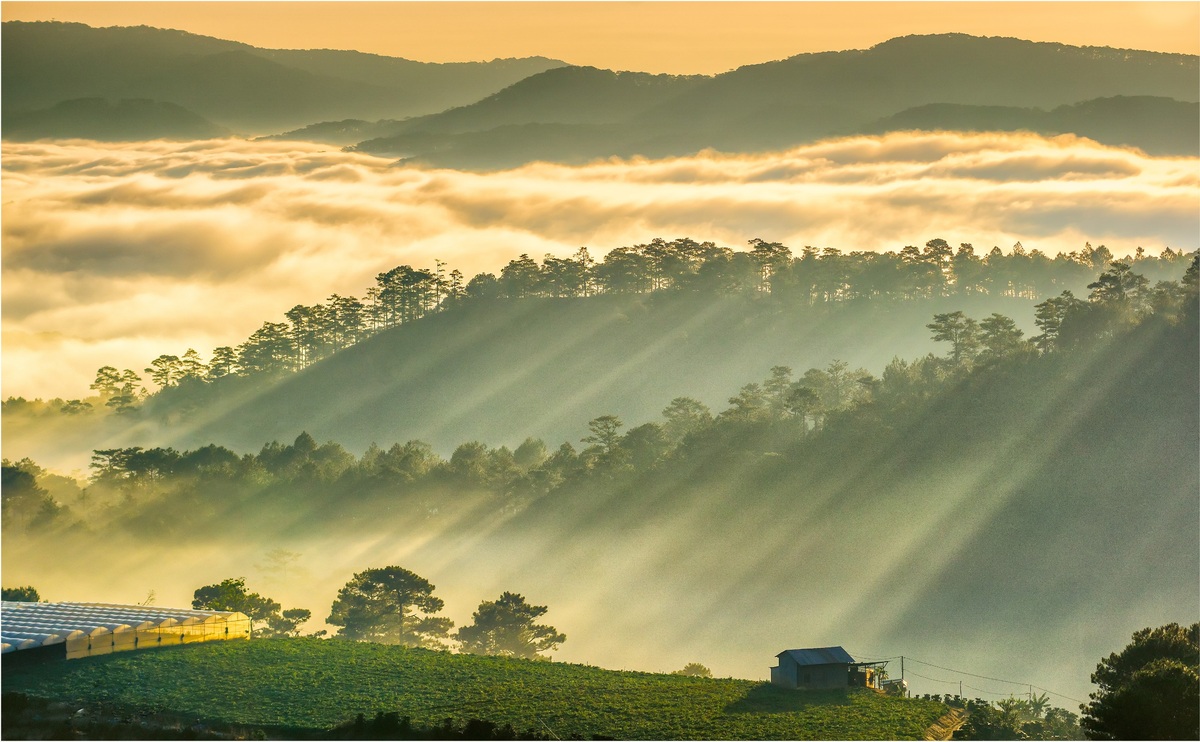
{"points": [[308, 683]]}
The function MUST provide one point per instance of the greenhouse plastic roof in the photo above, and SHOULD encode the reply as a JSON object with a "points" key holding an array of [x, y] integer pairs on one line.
{"points": [[31, 625]]}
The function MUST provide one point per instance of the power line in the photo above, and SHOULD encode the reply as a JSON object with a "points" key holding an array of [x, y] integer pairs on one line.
{"points": [[998, 680], [1059, 694], [961, 672], [969, 674], [875, 657], [960, 684], [936, 680], [1005, 694]]}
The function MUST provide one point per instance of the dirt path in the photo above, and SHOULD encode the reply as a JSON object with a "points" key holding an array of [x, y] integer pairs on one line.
{"points": [[945, 727]]}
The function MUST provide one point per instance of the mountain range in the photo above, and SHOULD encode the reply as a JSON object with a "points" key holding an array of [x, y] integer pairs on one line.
{"points": [[484, 115], [972, 83], [237, 86], [106, 120]]}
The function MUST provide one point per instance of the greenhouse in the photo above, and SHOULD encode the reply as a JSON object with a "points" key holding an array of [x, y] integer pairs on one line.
{"points": [[38, 631]]}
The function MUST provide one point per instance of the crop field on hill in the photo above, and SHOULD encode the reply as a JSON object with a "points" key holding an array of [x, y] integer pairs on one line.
{"points": [[315, 684]]}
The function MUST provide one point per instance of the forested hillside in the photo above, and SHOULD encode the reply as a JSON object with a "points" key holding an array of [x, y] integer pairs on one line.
{"points": [[103, 120], [234, 85], [976, 494], [542, 348], [1157, 126], [780, 104], [502, 113], [895, 397]]}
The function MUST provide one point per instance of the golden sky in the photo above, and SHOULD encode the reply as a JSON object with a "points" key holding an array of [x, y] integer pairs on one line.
{"points": [[674, 37]]}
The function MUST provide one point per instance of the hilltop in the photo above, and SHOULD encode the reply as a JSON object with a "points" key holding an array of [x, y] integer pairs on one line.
{"points": [[810, 96], [235, 85], [497, 368], [506, 112], [313, 684]]}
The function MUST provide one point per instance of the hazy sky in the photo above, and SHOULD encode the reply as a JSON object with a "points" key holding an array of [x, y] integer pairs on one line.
{"points": [[675, 37]]}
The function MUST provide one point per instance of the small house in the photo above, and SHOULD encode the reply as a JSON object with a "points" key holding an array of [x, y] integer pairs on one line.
{"points": [[819, 668]]}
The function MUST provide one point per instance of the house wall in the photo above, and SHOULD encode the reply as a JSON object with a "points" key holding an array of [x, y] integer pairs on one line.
{"points": [[810, 677], [814, 677], [822, 676], [782, 677]]}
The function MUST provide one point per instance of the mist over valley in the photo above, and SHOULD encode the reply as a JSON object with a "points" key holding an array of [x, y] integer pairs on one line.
{"points": [[892, 350]]}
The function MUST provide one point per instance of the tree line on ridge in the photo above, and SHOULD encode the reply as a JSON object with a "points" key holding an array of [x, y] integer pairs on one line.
{"points": [[146, 490], [766, 270]]}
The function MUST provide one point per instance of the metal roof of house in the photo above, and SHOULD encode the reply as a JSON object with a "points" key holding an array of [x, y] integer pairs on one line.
{"points": [[818, 656]]}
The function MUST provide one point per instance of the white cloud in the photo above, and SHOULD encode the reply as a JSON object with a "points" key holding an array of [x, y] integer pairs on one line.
{"points": [[109, 250]]}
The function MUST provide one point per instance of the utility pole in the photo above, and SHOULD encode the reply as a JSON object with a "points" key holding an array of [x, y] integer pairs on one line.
{"points": [[960, 695], [902, 667]]}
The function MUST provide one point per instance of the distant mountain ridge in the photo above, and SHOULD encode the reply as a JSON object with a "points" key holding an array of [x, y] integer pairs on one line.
{"points": [[234, 85], [810, 96], [104, 120], [578, 102], [1158, 126], [506, 113]]}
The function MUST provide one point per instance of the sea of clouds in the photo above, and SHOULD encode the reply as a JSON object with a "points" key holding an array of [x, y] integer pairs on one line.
{"points": [[116, 253]]}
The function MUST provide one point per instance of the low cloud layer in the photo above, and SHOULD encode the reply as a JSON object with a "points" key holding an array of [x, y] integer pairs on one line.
{"points": [[115, 253]]}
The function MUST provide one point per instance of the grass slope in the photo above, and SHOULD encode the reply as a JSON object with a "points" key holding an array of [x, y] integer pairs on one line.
{"points": [[310, 683]]}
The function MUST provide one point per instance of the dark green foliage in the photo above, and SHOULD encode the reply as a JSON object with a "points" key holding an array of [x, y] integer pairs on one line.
{"points": [[25, 503], [603, 438], [26, 717], [1015, 718], [1049, 317], [119, 390], [530, 454], [961, 332], [505, 627], [694, 670], [1036, 453], [313, 684], [1150, 689], [390, 725], [700, 295], [163, 493], [27, 594], [683, 416], [287, 623], [1000, 338], [390, 605], [267, 617], [1120, 285]]}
